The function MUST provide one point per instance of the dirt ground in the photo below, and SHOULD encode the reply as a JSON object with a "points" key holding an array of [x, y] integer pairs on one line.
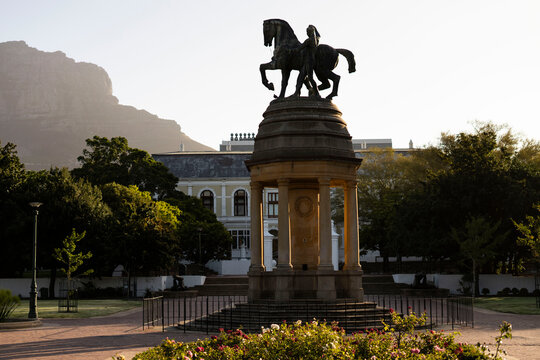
{"points": [[102, 337]]}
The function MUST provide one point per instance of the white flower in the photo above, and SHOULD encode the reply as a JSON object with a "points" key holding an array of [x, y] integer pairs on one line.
{"points": [[264, 331], [298, 322], [275, 326]]}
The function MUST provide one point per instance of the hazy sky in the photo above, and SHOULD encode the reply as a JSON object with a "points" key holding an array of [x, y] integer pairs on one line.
{"points": [[422, 66]]}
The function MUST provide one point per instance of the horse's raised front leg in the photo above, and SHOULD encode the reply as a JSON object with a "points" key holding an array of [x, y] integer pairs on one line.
{"points": [[285, 74], [263, 68]]}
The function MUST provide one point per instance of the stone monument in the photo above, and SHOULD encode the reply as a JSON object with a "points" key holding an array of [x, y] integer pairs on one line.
{"points": [[303, 148]]}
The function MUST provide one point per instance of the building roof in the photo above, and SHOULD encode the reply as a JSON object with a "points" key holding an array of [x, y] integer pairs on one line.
{"points": [[206, 164]]}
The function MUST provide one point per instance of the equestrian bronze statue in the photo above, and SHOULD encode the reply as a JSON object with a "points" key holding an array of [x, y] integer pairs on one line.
{"points": [[308, 57]]}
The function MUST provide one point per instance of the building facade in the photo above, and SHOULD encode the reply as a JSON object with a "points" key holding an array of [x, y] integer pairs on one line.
{"points": [[222, 182]]}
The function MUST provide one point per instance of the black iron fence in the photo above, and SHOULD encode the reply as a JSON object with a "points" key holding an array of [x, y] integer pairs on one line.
{"points": [[210, 313], [454, 311]]}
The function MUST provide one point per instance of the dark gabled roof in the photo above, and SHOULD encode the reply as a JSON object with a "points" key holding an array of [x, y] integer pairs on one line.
{"points": [[192, 165]]}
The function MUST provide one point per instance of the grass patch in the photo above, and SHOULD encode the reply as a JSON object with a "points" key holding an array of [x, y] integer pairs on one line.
{"points": [[513, 305], [87, 308]]}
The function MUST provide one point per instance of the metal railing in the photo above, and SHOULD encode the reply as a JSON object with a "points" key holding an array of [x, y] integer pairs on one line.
{"points": [[210, 313], [454, 311], [153, 312]]}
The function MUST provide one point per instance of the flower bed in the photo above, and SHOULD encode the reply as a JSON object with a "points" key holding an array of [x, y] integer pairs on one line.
{"points": [[317, 340]]}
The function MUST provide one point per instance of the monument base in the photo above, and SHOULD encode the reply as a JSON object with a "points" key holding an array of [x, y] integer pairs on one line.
{"points": [[324, 285]]}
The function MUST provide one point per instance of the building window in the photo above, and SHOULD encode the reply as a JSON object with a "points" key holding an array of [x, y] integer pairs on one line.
{"points": [[207, 198], [272, 205], [240, 201], [241, 237]]}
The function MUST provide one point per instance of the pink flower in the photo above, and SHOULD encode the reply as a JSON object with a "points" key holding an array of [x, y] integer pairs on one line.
{"points": [[200, 348], [415, 351], [190, 354], [438, 348]]}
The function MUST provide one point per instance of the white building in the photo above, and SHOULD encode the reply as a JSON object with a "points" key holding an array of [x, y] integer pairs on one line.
{"points": [[221, 180]]}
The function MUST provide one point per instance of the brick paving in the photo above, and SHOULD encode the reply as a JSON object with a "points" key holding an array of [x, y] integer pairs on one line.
{"points": [[92, 338], [102, 337]]}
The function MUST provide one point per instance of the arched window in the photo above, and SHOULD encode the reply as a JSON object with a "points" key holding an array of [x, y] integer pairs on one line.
{"points": [[240, 202], [207, 198]]}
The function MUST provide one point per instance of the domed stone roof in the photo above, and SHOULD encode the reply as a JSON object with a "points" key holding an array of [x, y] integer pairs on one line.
{"points": [[302, 129]]}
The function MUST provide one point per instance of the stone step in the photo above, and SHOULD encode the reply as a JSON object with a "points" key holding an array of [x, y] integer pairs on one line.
{"points": [[378, 279], [250, 317], [221, 289], [383, 288], [212, 280]]}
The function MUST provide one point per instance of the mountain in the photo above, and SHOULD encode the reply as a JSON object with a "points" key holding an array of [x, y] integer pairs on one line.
{"points": [[49, 105]]}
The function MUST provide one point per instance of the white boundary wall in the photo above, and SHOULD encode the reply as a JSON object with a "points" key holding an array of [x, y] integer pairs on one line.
{"points": [[493, 282], [230, 267], [21, 287]]}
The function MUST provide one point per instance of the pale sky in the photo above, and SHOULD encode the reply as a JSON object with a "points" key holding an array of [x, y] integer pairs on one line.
{"points": [[423, 67]]}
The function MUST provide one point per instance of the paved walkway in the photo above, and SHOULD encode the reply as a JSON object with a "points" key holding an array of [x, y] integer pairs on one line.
{"points": [[525, 342], [102, 337]]}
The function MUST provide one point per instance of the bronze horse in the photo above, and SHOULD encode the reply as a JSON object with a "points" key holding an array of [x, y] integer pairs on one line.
{"points": [[287, 57]]}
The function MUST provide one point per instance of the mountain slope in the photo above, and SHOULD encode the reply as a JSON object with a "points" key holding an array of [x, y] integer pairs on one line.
{"points": [[49, 104]]}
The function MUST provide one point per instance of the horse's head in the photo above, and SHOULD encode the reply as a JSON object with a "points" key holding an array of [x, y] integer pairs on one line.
{"points": [[269, 32]]}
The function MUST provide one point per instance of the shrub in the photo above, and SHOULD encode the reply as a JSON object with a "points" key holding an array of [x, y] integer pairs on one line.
{"points": [[523, 292], [504, 292], [515, 291], [8, 303], [316, 341], [536, 292], [485, 291]]}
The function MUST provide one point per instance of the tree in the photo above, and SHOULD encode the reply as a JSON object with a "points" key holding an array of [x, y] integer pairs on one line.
{"points": [[478, 242], [11, 169], [108, 161], [409, 205], [68, 203], [197, 220], [529, 231], [68, 256], [143, 234], [384, 180], [485, 175], [71, 259]]}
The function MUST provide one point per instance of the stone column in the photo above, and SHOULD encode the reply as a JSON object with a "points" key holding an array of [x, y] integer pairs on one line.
{"points": [[284, 230], [351, 227], [257, 263], [325, 226]]}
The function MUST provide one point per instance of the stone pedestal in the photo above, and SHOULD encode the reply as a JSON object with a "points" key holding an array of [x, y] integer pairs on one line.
{"points": [[303, 148]]}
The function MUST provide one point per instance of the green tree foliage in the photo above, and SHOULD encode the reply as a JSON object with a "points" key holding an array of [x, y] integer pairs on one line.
{"points": [[69, 257], [11, 169], [529, 231], [478, 242], [485, 174], [106, 161], [195, 218], [143, 234], [12, 174], [385, 179], [68, 203]]}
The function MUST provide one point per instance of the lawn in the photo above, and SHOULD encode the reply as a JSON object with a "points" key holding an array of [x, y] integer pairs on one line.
{"points": [[87, 308], [514, 305]]}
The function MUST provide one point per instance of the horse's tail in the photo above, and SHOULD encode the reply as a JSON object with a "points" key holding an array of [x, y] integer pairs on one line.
{"points": [[350, 58]]}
